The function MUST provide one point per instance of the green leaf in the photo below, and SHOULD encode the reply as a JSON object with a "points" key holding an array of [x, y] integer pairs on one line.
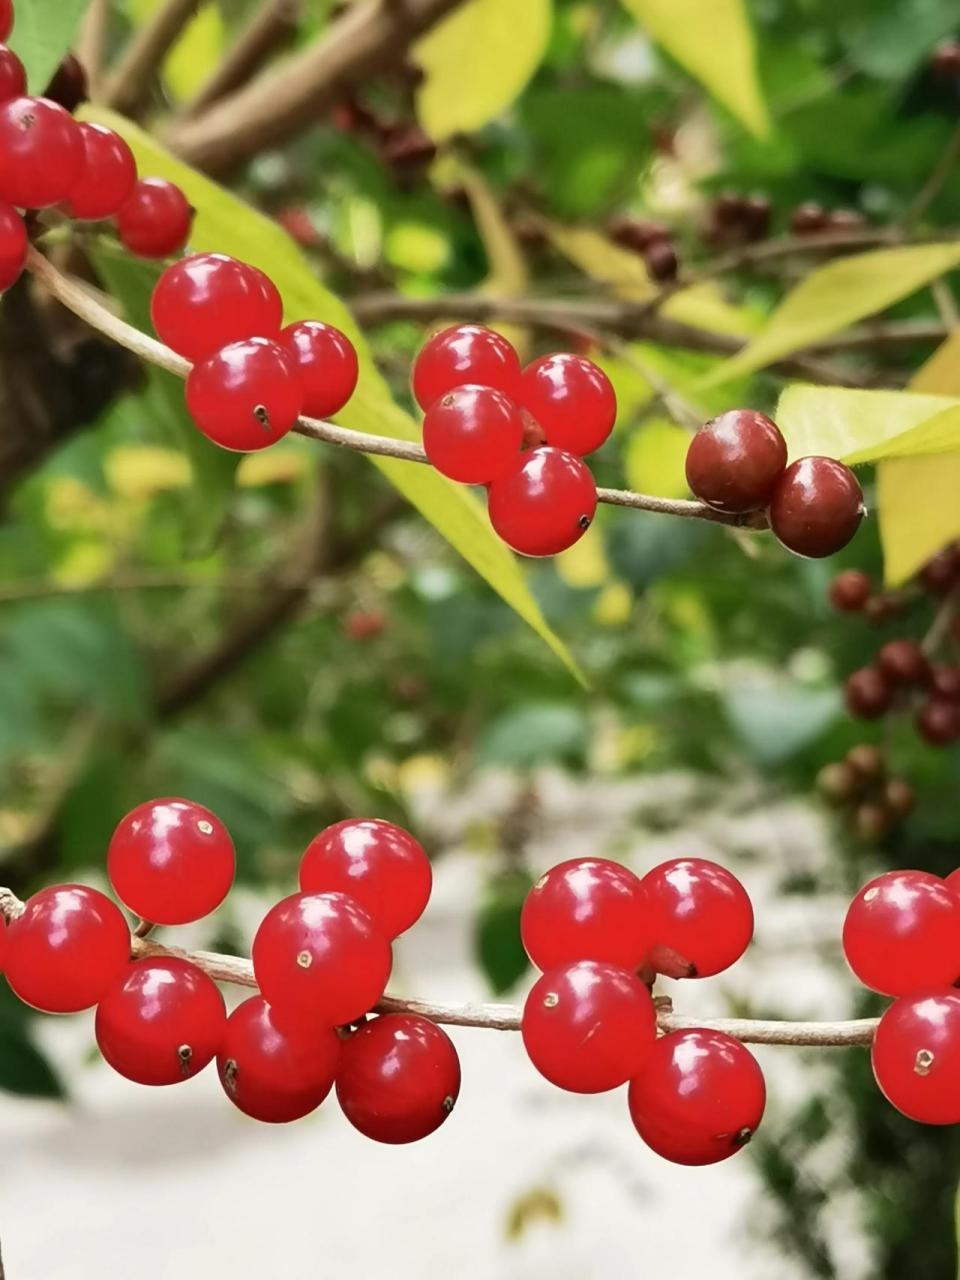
{"points": [[42, 34], [496, 935], [714, 41], [865, 426], [654, 459], [775, 717], [229, 225], [24, 1070], [837, 295], [533, 733], [478, 61]]}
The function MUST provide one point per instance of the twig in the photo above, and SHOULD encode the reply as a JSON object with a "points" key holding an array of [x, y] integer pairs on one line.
{"points": [[128, 87], [268, 30], [935, 183], [91, 41]]}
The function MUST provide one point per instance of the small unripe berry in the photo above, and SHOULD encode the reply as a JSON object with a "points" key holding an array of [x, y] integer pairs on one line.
{"points": [[808, 218], [816, 507], [850, 591], [872, 821], [945, 682], [900, 797], [867, 694], [838, 782], [735, 461], [868, 760]]}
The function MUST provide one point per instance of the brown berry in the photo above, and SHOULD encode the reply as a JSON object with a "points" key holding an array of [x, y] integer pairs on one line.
{"points": [[661, 260], [945, 682], [867, 693], [942, 571], [873, 821], [945, 60], [69, 86], [727, 209], [867, 761], [735, 461], [938, 721], [900, 797], [903, 662], [850, 591], [846, 220], [808, 218], [755, 217], [816, 507], [636, 234], [838, 782]]}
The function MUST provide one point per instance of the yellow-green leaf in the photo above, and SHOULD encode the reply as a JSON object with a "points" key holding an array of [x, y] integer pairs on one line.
{"points": [[41, 36], [837, 295], [477, 61], [228, 224], [865, 426], [654, 459], [714, 41]]}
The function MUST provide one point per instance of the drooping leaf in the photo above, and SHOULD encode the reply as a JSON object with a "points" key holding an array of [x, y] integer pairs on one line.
{"points": [[477, 61], [42, 34], [775, 717], [496, 934], [865, 426]]}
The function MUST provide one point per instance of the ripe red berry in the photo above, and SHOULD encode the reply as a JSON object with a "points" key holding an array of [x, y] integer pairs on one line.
{"points": [[320, 959], [941, 573], [68, 947], [378, 864], [246, 396], [901, 934], [816, 507], [13, 78], [398, 1079], [586, 909], [204, 302], [327, 364], [6, 18], [916, 1056], [850, 591], [636, 233], [171, 861], [107, 177], [161, 1022], [13, 246], [903, 662], [867, 693], [699, 911], [699, 1097], [734, 461], [465, 353], [473, 434], [938, 722], [572, 399], [945, 682], [42, 151], [588, 1027], [272, 1073], [545, 505], [155, 220]]}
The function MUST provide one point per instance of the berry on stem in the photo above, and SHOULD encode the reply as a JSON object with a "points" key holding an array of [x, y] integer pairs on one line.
{"points": [[942, 571], [868, 761], [246, 396], [107, 177], [938, 721], [13, 246], [572, 400], [735, 460], [327, 364], [462, 354], [816, 507], [661, 261], [204, 302], [473, 434], [838, 782], [155, 220], [867, 693], [586, 909], [945, 682], [850, 591], [916, 1056], [903, 662], [699, 911], [545, 505], [901, 934], [13, 78], [899, 797], [398, 1078], [42, 150]]}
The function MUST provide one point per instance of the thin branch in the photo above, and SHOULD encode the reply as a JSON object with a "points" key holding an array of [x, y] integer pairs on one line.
{"points": [[128, 87], [268, 30], [91, 42], [935, 183]]}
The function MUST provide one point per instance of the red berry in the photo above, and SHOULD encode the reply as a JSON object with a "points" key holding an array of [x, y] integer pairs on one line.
{"points": [[545, 505], [636, 233], [588, 1027], [945, 682], [867, 693], [13, 246], [319, 958], [572, 399], [161, 1022], [850, 591], [398, 1079], [734, 461], [938, 721], [107, 177], [942, 571], [171, 861], [327, 364], [202, 303], [378, 864], [69, 86], [473, 434], [155, 221], [246, 396], [6, 18], [586, 909], [816, 507], [661, 261], [465, 353], [901, 934], [699, 1097], [42, 150], [903, 662], [13, 78], [953, 881], [699, 911], [68, 947], [272, 1073], [916, 1056]]}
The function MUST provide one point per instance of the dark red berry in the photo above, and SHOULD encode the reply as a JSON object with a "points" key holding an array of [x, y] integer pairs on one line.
{"points": [[246, 396], [275, 1073], [755, 217], [465, 353], [735, 461], [916, 1056], [903, 662], [13, 78], [107, 177], [69, 85], [398, 1078], [880, 609], [473, 434], [327, 363], [945, 60], [13, 246], [6, 18], [545, 505], [700, 912], [901, 934], [945, 682], [867, 693], [873, 820], [204, 302], [816, 507], [42, 150], [938, 721], [586, 909], [808, 218], [636, 234], [155, 220], [941, 573], [572, 400], [699, 1098], [850, 591], [661, 260]]}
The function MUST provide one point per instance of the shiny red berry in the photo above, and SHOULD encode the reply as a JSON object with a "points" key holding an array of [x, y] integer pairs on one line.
{"points": [[6, 18], [938, 722], [816, 507], [473, 434], [42, 151], [13, 246], [378, 864], [327, 364], [155, 220], [588, 1027], [13, 78], [246, 396], [204, 302], [867, 693], [916, 1056], [545, 505], [275, 1073], [572, 399], [161, 1022], [699, 1097], [850, 591], [903, 662], [942, 571], [68, 947], [107, 177], [735, 461], [700, 912], [901, 934], [171, 861], [398, 1079], [586, 909], [465, 353], [320, 959]]}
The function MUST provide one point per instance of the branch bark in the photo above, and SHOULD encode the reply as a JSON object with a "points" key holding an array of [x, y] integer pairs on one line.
{"points": [[268, 30], [128, 87]]}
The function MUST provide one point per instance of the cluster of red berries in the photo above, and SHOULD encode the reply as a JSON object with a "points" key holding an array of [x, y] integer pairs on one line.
{"points": [[901, 938], [321, 958], [589, 1023], [737, 463], [861, 786], [735, 219], [251, 378], [520, 432]]}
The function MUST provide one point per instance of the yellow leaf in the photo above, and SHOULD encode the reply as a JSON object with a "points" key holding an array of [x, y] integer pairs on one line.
{"points": [[837, 295], [714, 41], [613, 606], [141, 470], [705, 307], [478, 61], [195, 54], [416, 247], [865, 426], [85, 562], [273, 466], [585, 564], [654, 459]]}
